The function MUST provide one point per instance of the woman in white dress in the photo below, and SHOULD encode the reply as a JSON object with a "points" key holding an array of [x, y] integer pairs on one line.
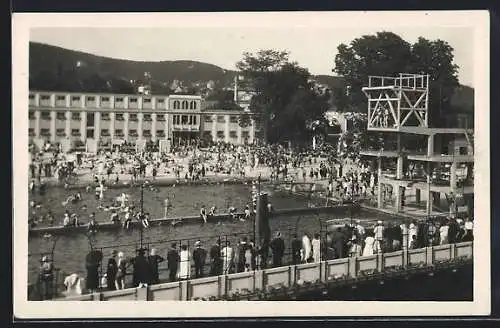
{"points": [[185, 263], [369, 243], [316, 248], [227, 258], [306, 247], [412, 231]]}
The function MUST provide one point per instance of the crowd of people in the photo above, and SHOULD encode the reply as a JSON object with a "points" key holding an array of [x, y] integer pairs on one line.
{"points": [[190, 163], [182, 262]]}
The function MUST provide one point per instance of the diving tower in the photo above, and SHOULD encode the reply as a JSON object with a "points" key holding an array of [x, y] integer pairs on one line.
{"points": [[400, 106]]}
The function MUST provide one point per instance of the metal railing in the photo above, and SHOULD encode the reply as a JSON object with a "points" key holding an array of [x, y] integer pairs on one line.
{"points": [[428, 234]]}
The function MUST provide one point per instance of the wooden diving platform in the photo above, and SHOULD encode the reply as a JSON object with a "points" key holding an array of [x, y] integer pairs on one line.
{"points": [[380, 153], [423, 185], [196, 219], [443, 158], [421, 130]]}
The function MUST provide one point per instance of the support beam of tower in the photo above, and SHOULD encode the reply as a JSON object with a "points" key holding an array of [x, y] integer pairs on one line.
{"points": [[396, 102]]}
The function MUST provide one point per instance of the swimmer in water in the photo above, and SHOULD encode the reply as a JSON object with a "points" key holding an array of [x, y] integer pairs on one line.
{"points": [[247, 214]]}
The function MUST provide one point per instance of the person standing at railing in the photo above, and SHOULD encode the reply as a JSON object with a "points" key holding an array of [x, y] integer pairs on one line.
{"points": [[111, 271], [296, 247], [469, 230], [92, 264], [173, 262], [240, 254], [316, 248], [379, 237], [443, 233], [227, 258], [356, 249], [122, 271], [199, 257], [369, 245], [185, 263], [46, 278], [215, 259], [141, 273], [277, 249], [153, 261], [306, 252]]}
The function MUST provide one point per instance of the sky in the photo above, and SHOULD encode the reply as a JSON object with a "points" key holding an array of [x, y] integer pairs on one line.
{"points": [[313, 48]]}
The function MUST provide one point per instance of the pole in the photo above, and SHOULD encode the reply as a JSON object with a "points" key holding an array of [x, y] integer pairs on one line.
{"points": [[142, 213]]}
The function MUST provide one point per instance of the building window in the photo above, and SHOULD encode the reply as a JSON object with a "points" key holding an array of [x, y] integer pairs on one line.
{"points": [[233, 119], [90, 98], [75, 116], [146, 100], [177, 104], [160, 117], [233, 134], [118, 99], [221, 119], [245, 134], [75, 98], [194, 120], [61, 116], [184, 119], [45, 97], [45, 115], [60, 133], [105, 116], [45, 132], [146, 133], [220, 134], [208, 119], [118, 133], [184, 104], [104, 133], [31, 115], [61, 98], [160, 133], [207, 134], [119, 117], [31, 132], [147, 118], [177, 119], [133, 133], [31, 97], [132, 117], [133, 100], [75, 132], [192, 105]]}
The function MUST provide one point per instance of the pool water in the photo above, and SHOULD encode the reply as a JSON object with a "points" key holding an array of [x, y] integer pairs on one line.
{"points": [[70, 249]]}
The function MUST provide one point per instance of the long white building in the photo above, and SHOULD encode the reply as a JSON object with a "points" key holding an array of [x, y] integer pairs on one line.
{"points": [[96, 118]]}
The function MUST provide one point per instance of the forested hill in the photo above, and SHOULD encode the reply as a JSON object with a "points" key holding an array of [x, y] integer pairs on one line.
{"points": [[55, 68], [58, 69]]}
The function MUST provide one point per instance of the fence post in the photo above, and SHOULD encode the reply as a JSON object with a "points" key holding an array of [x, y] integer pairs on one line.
{"points": [[405, 256], [453, 251], [380, 262], [352, 267], [429, 255]]}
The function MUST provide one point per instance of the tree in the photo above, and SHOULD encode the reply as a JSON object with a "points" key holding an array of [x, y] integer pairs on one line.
{"points": [[387, 54], [436, 59], [284, 100]]}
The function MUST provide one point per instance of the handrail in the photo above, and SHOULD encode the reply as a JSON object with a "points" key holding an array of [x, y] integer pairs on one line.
{"points": [[429, 260]]}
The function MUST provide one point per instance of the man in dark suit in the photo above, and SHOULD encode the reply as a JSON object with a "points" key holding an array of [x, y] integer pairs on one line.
{"points": [[199, 256], [173, 259]]}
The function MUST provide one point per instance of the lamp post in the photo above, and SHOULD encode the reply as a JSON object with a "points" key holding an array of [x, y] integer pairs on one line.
{"points": [[141, 225]]}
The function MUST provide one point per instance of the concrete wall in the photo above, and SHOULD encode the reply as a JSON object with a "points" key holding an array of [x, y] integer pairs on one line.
{"points": [[287, 275]]}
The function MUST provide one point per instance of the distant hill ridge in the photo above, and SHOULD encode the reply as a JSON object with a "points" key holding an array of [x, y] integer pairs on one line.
{"points": [[54, 68]]}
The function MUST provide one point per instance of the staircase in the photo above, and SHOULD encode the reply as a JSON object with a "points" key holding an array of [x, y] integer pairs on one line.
{"points": [[470, 138]]}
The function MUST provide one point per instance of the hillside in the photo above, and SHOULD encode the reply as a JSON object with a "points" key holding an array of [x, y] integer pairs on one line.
{"points": [[55, 68]]}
